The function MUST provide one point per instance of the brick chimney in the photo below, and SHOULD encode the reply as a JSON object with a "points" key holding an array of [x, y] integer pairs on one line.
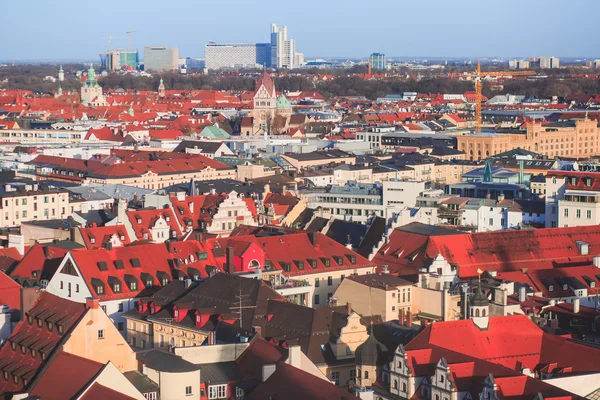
{"points": [[348, 308], [401, 316], [229, 267], [408, 318], [92, 303]]}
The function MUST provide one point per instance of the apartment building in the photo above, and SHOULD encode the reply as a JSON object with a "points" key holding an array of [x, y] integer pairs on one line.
{"points": [[22, 203], [576, 138], [572, 198]]}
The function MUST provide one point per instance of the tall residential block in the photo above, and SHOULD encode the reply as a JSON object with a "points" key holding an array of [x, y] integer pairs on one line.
{"points": [[283, 50], [378, 61], [161, 58], [549, 62], [237, 55]]}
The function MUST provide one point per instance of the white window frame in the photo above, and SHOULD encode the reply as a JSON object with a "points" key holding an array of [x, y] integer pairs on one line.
{"points": [[217, 391]]}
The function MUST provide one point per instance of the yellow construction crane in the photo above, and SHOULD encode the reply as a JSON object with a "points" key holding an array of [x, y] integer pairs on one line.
{"points": [[477, 76]]}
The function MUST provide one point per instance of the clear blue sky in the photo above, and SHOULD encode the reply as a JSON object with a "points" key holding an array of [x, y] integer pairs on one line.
{"points": [[70, 29]]}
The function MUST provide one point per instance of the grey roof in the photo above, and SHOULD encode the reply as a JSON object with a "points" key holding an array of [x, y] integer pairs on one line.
{"points": [[339, 231], [445, 151], [428, 230], [221, 372], [372, 237], [118, 191], [220, 186], [54, 224], [319, 155], [206, 147], [141, 382], [166, 362], [89, 193], [100, 217]]}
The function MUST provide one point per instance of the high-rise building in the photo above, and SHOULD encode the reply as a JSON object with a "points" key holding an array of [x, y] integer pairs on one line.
{"points": [[117, 59], [283, 50], [549, 62], [378, 61], [161, 59], [518, 64], [237, 55]]}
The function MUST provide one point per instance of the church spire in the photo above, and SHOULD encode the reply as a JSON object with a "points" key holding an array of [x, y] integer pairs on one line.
{"points": [[487, 171]]}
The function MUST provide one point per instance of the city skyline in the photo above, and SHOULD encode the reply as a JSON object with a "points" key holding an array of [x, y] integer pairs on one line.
{"points": [[320, 30]]}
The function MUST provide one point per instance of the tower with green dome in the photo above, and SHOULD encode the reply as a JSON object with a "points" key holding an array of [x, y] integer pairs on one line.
{"points": [[91, 91]]}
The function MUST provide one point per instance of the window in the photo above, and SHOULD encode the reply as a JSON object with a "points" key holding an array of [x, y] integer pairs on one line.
{"points": [[366, 374], [566, 212], [329, 281], [24, 214], [335, 377], [188, 390], [120, 326], [578, 213], [491, 221], [403, 387], [217, 392], [317, 281], [353, 375], [589, 214], [317, 300], [120, 306], [101, 334]]}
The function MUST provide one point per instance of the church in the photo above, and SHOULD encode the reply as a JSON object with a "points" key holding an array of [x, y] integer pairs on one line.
{"points": [[91, 91], [270, 114]]}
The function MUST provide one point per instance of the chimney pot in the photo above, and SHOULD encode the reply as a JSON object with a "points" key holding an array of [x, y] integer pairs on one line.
{"points": [[576, 304]]}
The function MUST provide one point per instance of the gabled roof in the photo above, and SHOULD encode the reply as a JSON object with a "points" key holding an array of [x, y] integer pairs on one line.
{"points": [[40, 262], [100, 235], [143, 221], [194, 209], [291, 383], [37, 336]]}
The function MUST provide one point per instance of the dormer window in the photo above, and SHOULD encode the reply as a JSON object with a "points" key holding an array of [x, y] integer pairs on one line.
{"points": [[50, 326], [23, 349], [39, 322], [139, 220], [122, 237], [117, 288], [588, 182], [146, 236], [30, 319], [168, 219], [60, 329], [176, 313], [165, 281], [92, 240], [33, 353]]}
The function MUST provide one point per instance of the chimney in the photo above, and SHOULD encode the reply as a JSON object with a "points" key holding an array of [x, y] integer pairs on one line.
{"points": [[348, 241], [180, 196], [267, 189], [597, 261], [312, 236], [212, 338], [267, 371], [229, 268], [187, 283], [46, 251], [121, 211], [408, 318], [348, 308], [401, 316], [500, 197], [257, 329], [576, 305], [92, 303], [522, 294], [295, 356], [488, 196]]}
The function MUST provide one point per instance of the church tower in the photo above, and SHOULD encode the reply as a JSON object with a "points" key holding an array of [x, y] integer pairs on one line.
{"points": [[161, 89], [479, 310], [61, 74], [91, 92]]}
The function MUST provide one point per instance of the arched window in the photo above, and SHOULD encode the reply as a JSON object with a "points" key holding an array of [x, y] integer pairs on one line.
{"points": [[483, 312], [366, 374], [437, 397], [395, 384], [477, 312], [403, 387]]}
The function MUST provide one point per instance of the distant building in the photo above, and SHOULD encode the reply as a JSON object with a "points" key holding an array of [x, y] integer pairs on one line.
{"points": [[518, 64], [117, 59], [378, 61], [61, 74], [91, 91], [549, 62], [283, 50], [161, 58], [237, 55]]}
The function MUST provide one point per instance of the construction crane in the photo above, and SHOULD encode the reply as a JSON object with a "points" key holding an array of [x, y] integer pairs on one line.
{"points": [[110, 39], [129, 33], [477, 77]]}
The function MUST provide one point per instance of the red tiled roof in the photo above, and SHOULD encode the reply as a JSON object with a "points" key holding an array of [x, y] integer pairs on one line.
{"points": [[581, 179], [143, 220], [204, 207], [282, 203], [48, 309], [10, 292], [102, 234], [52, 383], [40, 262], [160, 167], [97, 391], [500, 251], [513, 341]]}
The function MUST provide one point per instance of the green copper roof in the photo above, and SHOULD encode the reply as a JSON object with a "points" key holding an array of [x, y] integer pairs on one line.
{"points": [[283, 102], [214, 132]]}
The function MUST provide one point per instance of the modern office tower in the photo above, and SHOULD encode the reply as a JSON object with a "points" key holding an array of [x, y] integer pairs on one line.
{"points": [[549, 62], [283, 50], [161, 59], [378, 61], [237, 55], [117, 59]]}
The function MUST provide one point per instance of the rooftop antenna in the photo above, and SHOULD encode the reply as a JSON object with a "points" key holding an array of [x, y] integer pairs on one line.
{"points": [[129, 33]]}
